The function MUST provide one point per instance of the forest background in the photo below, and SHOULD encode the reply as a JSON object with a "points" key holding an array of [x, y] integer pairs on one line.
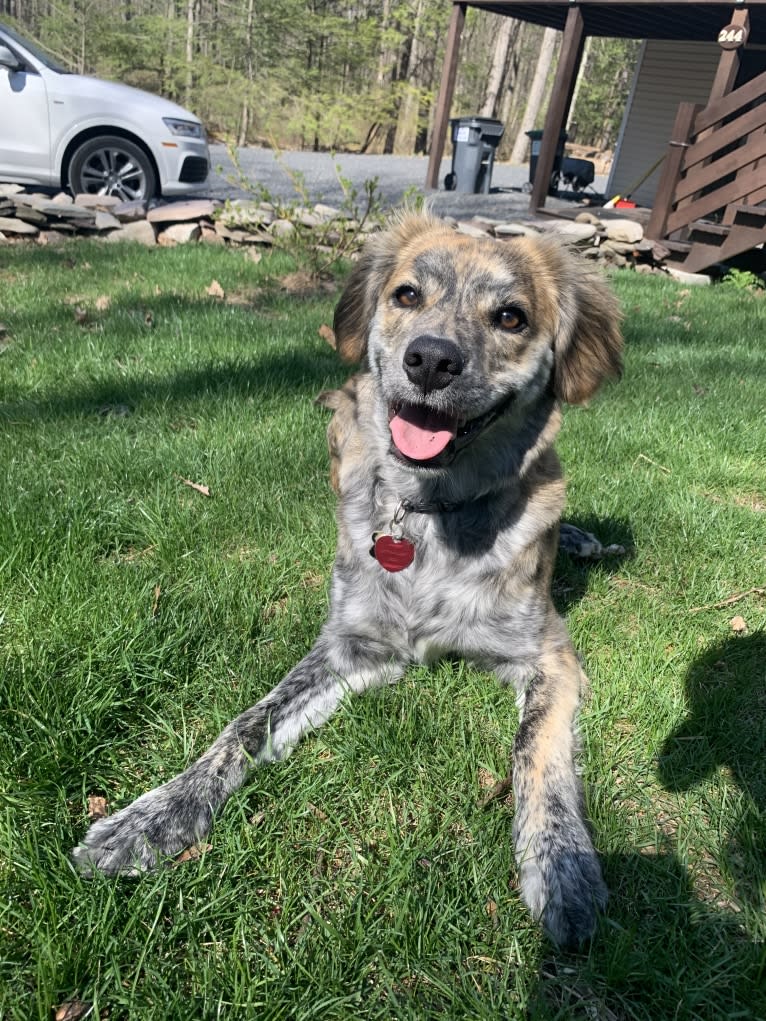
{"points": [[330, 74]]}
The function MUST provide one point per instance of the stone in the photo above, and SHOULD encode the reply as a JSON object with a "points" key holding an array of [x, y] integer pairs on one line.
{"points": [[246, 214], [571, 232], [618, 246], [62, 198], [594, 252], [140, 231], [309, 219], [31, 215], [86, 201], [587, 217], [12, 226], [180, 212], [210, 236], [52, 237], [612, 257], [282, 228], [471, 231], [180, 234], [105, 221], [129, 212], [509, 230], [695, 279], [11, 189], [627, 231], [326, 212]]}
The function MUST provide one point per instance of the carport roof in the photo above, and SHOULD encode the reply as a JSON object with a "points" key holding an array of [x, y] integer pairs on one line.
{"points": [[650, 19]]}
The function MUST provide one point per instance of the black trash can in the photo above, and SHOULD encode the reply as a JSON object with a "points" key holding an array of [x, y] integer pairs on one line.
{"points": [[474, 142], [536, 141]]}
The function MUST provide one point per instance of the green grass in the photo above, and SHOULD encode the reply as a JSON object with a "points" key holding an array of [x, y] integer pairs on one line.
{"points": [[359, 879]]}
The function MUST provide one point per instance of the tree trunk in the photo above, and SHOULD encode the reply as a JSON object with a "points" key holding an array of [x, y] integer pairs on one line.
{"points": [[407, 120], [536, 95], [497, 67], [244, 124], [189, 82], [579, 80]]}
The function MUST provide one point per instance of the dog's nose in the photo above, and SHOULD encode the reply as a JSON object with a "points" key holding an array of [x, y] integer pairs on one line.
{"points": [[431, 363]]}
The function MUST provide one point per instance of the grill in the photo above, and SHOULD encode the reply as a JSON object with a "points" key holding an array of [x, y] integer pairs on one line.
{"points": [[194, 170]]}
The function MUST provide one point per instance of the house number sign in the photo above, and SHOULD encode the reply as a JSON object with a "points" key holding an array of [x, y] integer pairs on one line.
{"points": [[732, 36]]}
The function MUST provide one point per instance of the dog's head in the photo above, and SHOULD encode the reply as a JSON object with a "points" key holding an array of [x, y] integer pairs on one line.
{"points": [[460, 331]]}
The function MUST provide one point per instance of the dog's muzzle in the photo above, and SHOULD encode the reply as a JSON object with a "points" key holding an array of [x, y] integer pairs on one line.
{"points": [[428, 438]]}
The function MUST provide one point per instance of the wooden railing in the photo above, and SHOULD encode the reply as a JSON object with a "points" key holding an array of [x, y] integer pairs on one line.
{"points": [[713, 160]]}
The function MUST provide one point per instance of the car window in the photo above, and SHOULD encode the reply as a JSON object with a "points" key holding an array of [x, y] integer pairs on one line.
{"points": [[37, 51]]}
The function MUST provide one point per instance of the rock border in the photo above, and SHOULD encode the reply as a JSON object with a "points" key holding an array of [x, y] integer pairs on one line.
{"points": [[31, 216]]}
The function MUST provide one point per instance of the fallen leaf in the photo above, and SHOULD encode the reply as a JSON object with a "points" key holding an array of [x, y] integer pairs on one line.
{"points": [[215, 290], [72, 1010], [156, 600], [205, 490], [97, 807], [491, 908], [103, 301], [80, 314], [738, 625], [193, 853], [257, 819], [299, 282], [327, 333], [253, 255], [322, 816]]}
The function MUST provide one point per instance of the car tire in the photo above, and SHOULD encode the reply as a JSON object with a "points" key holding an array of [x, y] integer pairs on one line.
{"points": [[111, 165]]}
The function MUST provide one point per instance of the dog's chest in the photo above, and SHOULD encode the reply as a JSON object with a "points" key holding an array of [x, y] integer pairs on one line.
{"points": [[452, 598]]}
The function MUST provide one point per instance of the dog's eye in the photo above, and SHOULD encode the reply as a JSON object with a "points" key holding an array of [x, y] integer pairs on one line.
{"points": [[511, 319], [406, 296]]}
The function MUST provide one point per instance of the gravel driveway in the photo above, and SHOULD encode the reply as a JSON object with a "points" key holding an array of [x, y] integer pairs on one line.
{"points": [[395, 174]]}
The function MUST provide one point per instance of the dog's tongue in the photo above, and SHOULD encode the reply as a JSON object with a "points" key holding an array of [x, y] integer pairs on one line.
{"points": [[420, 433]]}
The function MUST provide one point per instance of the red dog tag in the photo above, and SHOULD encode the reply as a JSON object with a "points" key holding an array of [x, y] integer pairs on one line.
{"points": [[393, 554]]}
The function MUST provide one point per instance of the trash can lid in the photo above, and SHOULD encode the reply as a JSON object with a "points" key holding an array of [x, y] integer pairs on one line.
{"points": [[488, 125], [537, 134]]}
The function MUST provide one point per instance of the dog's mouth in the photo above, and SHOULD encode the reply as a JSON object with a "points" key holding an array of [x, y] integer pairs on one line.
{"points": [[429, 438]]}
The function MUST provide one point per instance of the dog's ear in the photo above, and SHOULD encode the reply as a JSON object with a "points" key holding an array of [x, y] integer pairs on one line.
{"points": [[587, 346], [354, 311]]}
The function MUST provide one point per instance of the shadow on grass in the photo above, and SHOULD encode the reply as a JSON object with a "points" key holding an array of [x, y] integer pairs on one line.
{"points": [[673, 942], [661, 952], [571, 578], [726, 727]]}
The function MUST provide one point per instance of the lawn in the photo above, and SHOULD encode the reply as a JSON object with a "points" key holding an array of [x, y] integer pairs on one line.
{"points": [[364, 877]]}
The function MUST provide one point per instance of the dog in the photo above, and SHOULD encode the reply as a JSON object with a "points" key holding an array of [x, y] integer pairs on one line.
{"points": [[450, 495]]}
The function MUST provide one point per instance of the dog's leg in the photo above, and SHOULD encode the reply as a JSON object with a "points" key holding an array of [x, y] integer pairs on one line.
{"points": [[559, 870], [175, 815]]}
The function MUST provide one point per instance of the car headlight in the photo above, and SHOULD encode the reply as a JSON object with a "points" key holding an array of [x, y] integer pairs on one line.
{"points": [[189, 129]]}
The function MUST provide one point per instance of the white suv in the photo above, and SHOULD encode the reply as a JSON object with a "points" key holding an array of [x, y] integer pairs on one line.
{"points": [[62, 130]]}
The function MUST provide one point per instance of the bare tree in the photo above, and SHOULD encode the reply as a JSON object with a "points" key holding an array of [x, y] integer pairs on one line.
{"points": [[536, 94], [506, 32]]}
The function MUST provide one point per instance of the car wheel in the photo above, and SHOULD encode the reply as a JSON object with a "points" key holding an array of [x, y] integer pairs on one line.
{"points": [[110, 165]]}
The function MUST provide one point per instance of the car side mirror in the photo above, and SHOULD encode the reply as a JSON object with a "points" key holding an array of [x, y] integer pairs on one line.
{"points": [[9, 59]]}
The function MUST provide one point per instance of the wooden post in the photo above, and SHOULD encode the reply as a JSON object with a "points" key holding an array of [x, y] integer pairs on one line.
{"points": [[671, 170], [728, 64], [446, 91], [723, 83], [558, 108]]}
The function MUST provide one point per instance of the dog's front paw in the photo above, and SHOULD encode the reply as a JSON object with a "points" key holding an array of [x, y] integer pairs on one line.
{"points": [[134, 840], [565, 890]]}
